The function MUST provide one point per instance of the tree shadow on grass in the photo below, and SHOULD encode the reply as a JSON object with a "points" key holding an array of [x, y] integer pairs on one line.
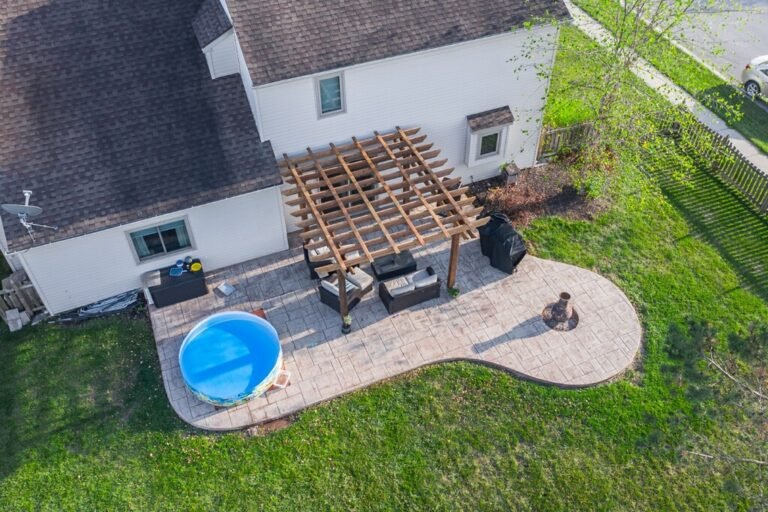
{"points": [[724, 219], [63, 387]]}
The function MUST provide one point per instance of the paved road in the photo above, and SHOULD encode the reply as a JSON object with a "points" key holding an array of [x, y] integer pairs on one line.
{"points": [[730, 38]]}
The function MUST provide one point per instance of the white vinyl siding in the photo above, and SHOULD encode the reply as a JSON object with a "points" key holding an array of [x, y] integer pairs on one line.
{"points": [[81, 270], [434, 90], [222, 55]]}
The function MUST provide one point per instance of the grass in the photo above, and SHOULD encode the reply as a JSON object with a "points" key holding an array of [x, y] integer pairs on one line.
{"points": [[86, 424], [739, 112], [569, 104], [719, 214]]}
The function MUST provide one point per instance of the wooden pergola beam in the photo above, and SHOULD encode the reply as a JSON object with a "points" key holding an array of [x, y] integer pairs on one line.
{"points": [[428, 224], [428, 169], [364, 197], [367, 187], [336, 171], [347, 217], [371, 227], [351, 147], [409, 244], [328, 237], [377, 196], [388, 189], [409, 183]]}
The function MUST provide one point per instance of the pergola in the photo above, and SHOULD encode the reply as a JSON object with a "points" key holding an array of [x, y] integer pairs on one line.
{"points": [[374, 197]]}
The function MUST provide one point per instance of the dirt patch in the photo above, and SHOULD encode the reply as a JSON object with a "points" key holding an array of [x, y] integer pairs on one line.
{"points": [[270, 426], [539, 191]]}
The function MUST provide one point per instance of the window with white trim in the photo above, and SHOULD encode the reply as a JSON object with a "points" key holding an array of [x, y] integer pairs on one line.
{"points": [[330, 95], [489, 144], [160, 240], [487, 136]]}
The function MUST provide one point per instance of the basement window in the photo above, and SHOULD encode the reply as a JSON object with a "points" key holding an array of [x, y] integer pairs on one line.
{"points": [[160, 240], [489, 144], [487, 134]]}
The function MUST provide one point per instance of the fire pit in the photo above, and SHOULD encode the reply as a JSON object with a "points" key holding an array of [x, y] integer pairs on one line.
{"points": [[560, 315]]}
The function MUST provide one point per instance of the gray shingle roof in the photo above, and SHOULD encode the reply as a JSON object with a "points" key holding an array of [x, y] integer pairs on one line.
{"points": [[110, 116], [210, 22], [283, 40], [490, 119]]}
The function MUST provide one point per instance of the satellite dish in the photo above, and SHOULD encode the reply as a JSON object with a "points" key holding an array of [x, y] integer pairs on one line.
{"points": [[22, 209], [24, 212]]}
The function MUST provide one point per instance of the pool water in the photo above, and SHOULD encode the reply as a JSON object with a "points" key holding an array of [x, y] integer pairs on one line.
{"points": [[230, 357]]}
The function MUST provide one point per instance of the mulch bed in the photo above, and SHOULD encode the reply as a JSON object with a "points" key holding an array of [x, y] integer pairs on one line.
{"points": [[539, 191]]}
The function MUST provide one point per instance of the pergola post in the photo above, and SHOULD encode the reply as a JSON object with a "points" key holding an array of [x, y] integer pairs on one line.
{"points": [[453, 264], [343, 304]]}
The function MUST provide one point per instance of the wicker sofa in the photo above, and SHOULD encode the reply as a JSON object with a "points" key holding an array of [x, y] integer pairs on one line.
{"points": [[409, 290], [358, 285]]}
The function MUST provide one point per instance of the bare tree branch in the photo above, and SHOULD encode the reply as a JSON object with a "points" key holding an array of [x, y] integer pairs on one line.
{"points": [[726, 457], [736, 381]]}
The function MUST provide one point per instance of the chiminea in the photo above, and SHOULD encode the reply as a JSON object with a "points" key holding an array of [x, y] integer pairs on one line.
{"points": [[560, 315]]}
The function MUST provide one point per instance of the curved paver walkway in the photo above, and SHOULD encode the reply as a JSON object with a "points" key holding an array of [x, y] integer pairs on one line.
{"points": [[495, 320]]}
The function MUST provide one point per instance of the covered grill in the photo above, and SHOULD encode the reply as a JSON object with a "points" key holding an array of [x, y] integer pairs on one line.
{"points": [[502, 244]]}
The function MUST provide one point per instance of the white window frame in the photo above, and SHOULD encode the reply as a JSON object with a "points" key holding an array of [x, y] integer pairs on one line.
{"points": [[485, 133], [474, 139], [318, 98], [140, 261]]}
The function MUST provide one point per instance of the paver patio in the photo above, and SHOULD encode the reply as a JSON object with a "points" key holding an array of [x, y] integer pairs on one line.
{"points": [[496, 320]]}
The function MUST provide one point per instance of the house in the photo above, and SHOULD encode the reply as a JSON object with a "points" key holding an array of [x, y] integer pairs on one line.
{"points": [[151, 130]]}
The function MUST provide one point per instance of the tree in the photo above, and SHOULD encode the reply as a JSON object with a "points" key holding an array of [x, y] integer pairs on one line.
{"points": [[729, 380], [626, 115]]}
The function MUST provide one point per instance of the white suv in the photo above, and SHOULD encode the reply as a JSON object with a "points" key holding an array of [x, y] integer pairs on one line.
{"points": [[755, 77]]}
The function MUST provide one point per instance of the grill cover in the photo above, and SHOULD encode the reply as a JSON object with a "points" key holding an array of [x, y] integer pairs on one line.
{"points": [[506, 248], [486, 232]]}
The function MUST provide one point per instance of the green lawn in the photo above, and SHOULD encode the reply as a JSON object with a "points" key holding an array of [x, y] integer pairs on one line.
{"points": [[736, 109], [86, 424]]}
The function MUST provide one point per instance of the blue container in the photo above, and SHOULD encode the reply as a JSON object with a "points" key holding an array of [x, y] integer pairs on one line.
{"points": [[230, 357]]}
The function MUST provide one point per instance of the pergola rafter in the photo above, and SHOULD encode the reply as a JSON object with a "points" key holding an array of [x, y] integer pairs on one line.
{"points": [[377, 196]]}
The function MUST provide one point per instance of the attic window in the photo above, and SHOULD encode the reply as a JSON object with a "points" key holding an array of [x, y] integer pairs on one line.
{"points": [[330, 95]]}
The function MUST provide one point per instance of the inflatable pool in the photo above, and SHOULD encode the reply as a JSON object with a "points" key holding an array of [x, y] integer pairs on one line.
{"points": [[230, 357]]}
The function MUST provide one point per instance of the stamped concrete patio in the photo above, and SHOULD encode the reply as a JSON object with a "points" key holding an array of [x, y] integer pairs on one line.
{"points": [[496, 320]]}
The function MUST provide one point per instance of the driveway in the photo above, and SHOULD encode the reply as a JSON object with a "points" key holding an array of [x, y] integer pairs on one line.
{"points": [[728, 37]]}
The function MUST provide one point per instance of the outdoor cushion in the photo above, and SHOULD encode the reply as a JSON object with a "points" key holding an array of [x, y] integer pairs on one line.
{"points": [[418, 276], [424, 281], [320, 251], [398, 282], [361, 279], [333, 287], [402, 290], [399, 286], [323, 250]]}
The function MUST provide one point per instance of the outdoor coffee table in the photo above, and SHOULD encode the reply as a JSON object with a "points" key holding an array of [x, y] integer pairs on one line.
{"points": [[393, 265]]}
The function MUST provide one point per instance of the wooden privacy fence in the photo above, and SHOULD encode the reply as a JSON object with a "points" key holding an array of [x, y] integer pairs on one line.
{"points": [[19, 293], [555, 140], [722, 158]]}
